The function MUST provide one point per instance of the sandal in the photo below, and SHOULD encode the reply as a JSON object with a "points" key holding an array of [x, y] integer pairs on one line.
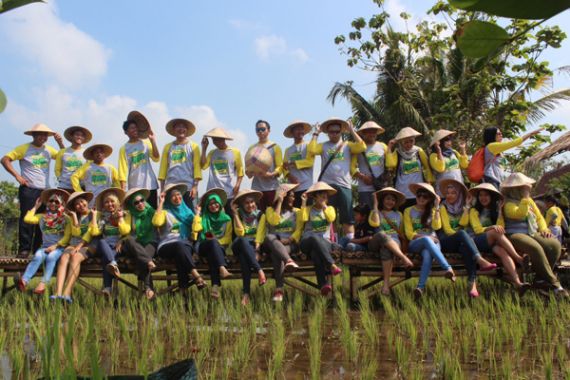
{"points": [[200, 283], [335, 271], [215, 293], [262, 278], [245, 300], [149, 294], [326, 290], [418, 293], [114, 270], [291, 266], [450, 274], [40, 289], [20, 283], [488, 267]]}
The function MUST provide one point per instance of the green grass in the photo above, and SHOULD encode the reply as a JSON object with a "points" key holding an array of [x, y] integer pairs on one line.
{"points": [[446, 335]]}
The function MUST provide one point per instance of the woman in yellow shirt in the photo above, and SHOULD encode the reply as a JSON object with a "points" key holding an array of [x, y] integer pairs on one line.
{"points": [[528, 231], [446, 162]]}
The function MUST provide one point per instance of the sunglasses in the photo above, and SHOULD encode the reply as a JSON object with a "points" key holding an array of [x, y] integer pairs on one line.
{"points": [[136, 202], [423, 195], [333, 131], [54, 201], [262, 129]]}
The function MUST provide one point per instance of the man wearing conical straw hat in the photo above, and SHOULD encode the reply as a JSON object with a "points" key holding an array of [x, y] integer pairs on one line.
{"points": [[34, 159], [180, 162], [374, 158], [336, 156], [95, 175], [224, 163], [297, 162], [266, 182], [68, 160], [135, 170]]}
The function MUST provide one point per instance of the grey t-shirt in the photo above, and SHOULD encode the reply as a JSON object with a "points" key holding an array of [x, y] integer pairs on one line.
{"points": [[71, 160], [338, 171], [396, 219], [34, 163], [267, 184], [409, 171], [223, 169], [138, 166], [375, 155], [296, 153]]}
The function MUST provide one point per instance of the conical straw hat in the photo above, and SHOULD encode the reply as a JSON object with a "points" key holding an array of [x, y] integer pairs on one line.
{"points": [[440, 135], [335, 121], [38, 128], [187, 123], [321, 186], [247, 193], [219, 133], [88, 153], [474, 191], [406, 132], [137, 190], [215, 190], [288, 132], [120, 193], [517, 180], [179, 186], [287, 187], [68, 133], [47, 193], [448, 181], [88, 196], [414, 187], [400, 197], [141, 121], [371, 125], [258, 159]]}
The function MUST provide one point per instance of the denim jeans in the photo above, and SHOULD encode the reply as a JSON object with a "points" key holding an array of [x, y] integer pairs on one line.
{"points": [[108, 254], [244, 250], [429, 251], [181, 252], [319, 250], [39, 257], [215, 254], [463, 243], [345, 243]]}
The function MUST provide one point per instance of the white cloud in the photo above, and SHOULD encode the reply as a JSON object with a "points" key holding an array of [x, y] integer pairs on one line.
{"points": [[271, 45], [63, 52]]}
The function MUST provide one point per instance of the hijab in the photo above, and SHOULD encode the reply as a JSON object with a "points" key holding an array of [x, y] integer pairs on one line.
{"points": [[142, 220], [515, 195], [457, 207], [213, 222], [55, 219], [407, 154], [182, 213]]}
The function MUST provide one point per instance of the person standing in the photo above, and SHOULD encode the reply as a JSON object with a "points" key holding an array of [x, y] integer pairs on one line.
{"points": [[445, 161], [180, 161], [135, 170], [297, 162], [224, 163], [68, 160], [335, 166], [96, 175], [369, 166], [266, 182], [34, 159]]}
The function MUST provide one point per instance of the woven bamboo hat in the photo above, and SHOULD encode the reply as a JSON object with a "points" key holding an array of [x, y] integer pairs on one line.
{"points": [[137, 190], [287, 187], [405, 133], [517, 180], [178, 186], [288, 132], [440, 135], [47, 194], [68, 133], [448, 181], [215, 190], [321, 186], [88, 196], [247, 193], [400, 197], [474, 191], [88, 153], [218, 133], [187, 123], [335, 121], [39, 128], [120, 193], [371, 125], [414, 187], [258, 159], [141, 121]]}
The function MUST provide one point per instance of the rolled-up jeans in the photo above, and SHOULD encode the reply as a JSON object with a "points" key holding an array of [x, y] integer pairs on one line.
{"points": [[461, 242], [280, 254], [429, 250], [39, 257]]}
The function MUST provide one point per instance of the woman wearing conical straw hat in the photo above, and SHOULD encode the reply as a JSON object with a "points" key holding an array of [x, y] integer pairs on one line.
{"points": [[410, 163], [316, 238], [34, 159], [446, 162], [224, 163], [56, 232], [68, 160], [488, 229], [96, 175], [135, 169], [284, 227], [297, 161], [527, 230], [421, 222], [373, 158]]}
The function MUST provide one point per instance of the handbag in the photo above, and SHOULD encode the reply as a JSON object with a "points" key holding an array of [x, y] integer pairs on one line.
{"points": [[379, 182]]}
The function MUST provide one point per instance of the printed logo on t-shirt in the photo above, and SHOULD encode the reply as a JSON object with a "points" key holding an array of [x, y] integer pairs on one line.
{"points": [[284, 226], [73, 163], [54, 230], [419, 227], [451, 163], [296, 156], [319, 224], [109, 230], [250, 230], [221, 166], [177, 156], [338, 156], [137, 158], [374, 159], [411, 166], [39, 161], [454, 222], [98, 177], [386, 227]]}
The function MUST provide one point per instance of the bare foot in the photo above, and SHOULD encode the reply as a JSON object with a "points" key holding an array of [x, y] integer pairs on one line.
{"points": [[224, 272], [151, 265], [245, 300], [40, 289]]}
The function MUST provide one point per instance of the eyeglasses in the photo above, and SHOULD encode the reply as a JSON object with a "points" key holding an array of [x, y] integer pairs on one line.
{"points": [[262, 129], [136, 202], [423, 195], [333, 131], [53, 201]]}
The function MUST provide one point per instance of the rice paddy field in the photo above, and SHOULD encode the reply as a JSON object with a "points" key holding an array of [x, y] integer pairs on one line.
{"points": [[443, 336]]}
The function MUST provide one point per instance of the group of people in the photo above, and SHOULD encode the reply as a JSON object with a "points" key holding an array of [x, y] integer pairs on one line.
{"points": [[99, 210]]}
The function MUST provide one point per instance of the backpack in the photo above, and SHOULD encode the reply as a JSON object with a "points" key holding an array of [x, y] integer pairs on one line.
{"points": [[476, 168]]}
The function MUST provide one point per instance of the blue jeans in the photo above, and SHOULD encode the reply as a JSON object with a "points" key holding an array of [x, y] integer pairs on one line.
{"points": [[429, 251], [463, 243], [345, 243], [39, 257]]}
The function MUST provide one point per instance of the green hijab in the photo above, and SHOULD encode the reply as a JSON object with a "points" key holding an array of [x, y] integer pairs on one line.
{"points": [[142, 221], [213, 222]]}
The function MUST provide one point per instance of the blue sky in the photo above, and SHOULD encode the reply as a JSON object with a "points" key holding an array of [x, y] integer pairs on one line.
{"points": [[218, 63]]}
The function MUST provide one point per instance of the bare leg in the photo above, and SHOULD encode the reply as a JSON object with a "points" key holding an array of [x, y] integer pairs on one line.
{"points": [[495, 238], [387, 272], [74, 268], [61, 273], [395, 249], [508, 264]]}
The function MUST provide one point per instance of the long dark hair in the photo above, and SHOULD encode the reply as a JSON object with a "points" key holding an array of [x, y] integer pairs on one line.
{"points": [[427, 211], [493, 206], [490, 135]]}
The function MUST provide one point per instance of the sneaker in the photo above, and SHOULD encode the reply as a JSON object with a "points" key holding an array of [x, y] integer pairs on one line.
{"points": [[326, 290], [114, 270], [291, 266], [277, 296], [561, 293], [418, 293], [53, 297], [106, 292], [67, 299]]}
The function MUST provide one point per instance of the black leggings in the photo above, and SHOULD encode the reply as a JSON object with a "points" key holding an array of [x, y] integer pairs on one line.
{"points": [[319, 250], [181, 252], [216, 257]]}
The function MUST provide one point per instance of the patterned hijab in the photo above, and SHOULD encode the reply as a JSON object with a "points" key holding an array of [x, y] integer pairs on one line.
{"points": [[55, 219]]}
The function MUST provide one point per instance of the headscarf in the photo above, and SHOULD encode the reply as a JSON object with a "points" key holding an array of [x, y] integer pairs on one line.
{"points": [[108, 217], [142, 220], [213, 222], [182, 213], [407, 154], [457, 207], [55, 219], [446, 152], [515, 195]]}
